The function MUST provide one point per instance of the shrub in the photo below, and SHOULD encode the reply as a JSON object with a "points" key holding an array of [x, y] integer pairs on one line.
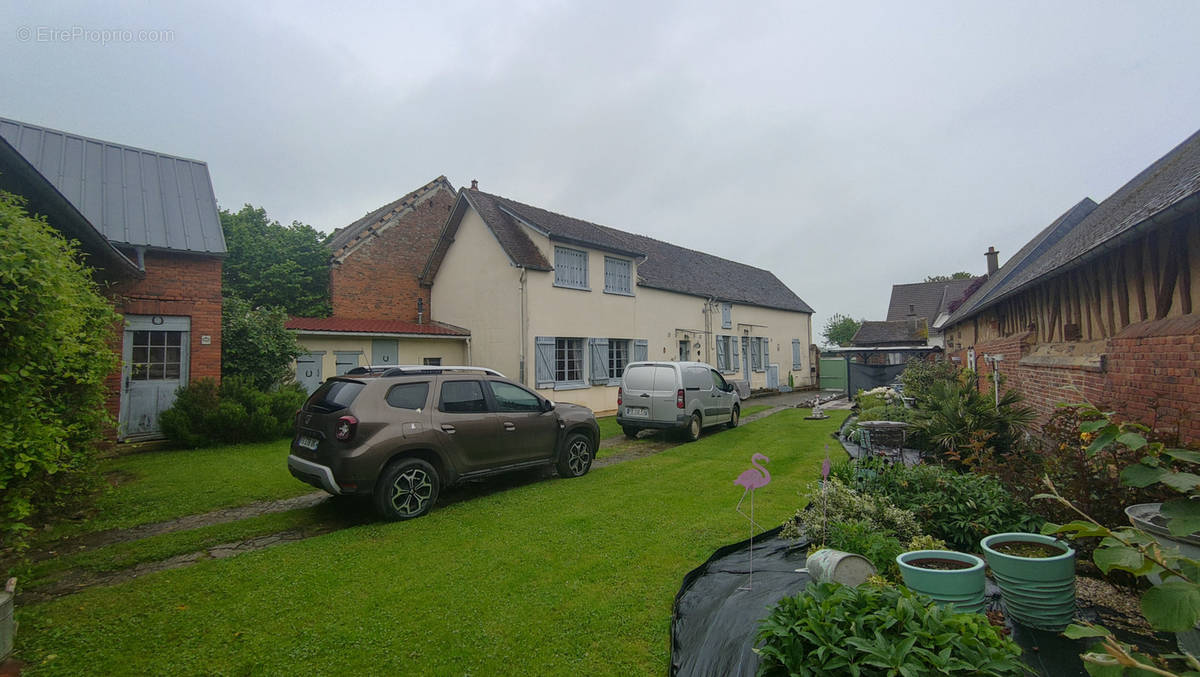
{"points": [[919, 375], [877, 397], [835, 503], [205, 415], [965, 425], [888, 412], [255, 346], [959, 508], [55, 332], [831, 629], [863, 538]]}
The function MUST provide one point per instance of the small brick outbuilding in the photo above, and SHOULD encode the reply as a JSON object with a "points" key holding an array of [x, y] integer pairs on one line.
{"points": [[149, 224]]}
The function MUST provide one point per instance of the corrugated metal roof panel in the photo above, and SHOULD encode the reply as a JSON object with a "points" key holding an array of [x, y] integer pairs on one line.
{"points": [[133, 196]]}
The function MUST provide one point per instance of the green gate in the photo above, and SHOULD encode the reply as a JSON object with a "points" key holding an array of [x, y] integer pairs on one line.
{"points": [[833, 373]]}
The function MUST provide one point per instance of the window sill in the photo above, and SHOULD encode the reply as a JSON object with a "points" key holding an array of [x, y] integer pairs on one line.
{"points": [[567, 286], [618, 293], [573, 385]]}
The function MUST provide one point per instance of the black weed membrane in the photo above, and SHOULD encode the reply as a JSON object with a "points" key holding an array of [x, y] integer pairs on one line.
{"points": [[715, 618]]}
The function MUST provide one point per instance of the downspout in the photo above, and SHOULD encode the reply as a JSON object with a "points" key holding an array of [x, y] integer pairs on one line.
{"points": [[524, 321], [708, 335], [469, 362]]}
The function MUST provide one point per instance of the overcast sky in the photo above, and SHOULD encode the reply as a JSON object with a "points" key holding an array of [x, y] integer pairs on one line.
{"points": [[845, 147]]}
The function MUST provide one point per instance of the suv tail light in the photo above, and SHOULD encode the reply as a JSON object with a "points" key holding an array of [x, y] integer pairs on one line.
{"points": [[620, 395], [679, 398], [344, 430]]}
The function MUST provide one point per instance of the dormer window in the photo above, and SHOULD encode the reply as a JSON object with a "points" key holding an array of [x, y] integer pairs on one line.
{"points": [[570, 268], [618, 276]]}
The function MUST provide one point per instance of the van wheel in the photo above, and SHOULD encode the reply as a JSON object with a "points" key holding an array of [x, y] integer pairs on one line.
{"points": [[630, 432], [736, 417], [408, 488], [692, 432]]}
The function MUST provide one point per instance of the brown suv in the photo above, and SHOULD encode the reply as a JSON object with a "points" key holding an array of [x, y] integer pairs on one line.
{"points": [[401, 434]]}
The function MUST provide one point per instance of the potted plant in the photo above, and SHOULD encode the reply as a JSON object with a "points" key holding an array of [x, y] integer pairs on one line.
{"points": [[948, 577], [1036, 575]]}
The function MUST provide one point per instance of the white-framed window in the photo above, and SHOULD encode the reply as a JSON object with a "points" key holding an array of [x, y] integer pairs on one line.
{"points": [[607, 358], [570, 268], [726, 315], [568, 360], [618, 357], [618, 276]]}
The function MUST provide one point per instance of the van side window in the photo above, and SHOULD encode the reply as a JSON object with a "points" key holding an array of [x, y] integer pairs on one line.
{"points": [[719, 381], [696, 378]]}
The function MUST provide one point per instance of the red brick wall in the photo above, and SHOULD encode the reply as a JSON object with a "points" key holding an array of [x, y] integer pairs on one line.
{"points": [[379, 279], [1151, 374], [179, 285]]}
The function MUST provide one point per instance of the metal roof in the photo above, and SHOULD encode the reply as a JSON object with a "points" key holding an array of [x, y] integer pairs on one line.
{"points": [[134, 197]]}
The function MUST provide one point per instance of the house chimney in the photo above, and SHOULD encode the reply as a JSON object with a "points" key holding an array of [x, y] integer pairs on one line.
{"points": [[474, 184], [993, 260]]}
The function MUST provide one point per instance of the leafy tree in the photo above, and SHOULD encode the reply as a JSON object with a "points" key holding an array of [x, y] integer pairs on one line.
{"points": [[960, 275], [55, 334], [274, 265], [840, 329], [255, 347]]}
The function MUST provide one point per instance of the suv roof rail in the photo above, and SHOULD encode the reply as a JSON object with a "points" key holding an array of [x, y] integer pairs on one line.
{"points": [[407, 369]]}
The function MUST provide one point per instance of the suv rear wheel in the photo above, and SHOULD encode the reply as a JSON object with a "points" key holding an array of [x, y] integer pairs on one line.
{"points": [[407, 488], [576, 457]]}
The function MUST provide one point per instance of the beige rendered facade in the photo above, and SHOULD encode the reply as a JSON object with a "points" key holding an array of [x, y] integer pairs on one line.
{"points": [[570, 341]]}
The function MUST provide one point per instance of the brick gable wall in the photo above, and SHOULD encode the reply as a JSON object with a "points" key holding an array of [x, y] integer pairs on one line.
{"points": [[378, 278], [179, 285]]}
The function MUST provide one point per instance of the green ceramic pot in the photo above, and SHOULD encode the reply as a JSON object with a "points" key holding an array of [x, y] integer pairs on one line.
{"points": [[961, 587], [1038, 591]]}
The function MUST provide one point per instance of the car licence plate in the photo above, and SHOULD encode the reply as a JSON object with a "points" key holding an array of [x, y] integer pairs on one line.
{"points": [[637, 412], [308, 442]]}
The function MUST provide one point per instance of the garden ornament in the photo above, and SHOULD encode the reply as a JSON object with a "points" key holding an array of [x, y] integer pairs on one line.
{"points": [[751, 479]]}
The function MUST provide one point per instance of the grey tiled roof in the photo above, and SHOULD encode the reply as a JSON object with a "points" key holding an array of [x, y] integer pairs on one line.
{"points": [[660, 265], [1033, 249], [927, 299], [346, 236], [1170, 181], [897, 332], [133, 196]]}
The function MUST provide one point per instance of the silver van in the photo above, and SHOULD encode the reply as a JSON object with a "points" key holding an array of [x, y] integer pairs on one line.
{"points": [[683, 396]]}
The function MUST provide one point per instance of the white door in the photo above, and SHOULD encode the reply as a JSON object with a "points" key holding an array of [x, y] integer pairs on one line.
{"points": [[154, 365], [308, 370]]}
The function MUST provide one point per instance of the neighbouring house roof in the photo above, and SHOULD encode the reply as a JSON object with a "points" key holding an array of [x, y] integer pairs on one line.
{"points": [[925, 299], [660, 265], [339, 325], [343, 240], [134, 197], [20, 177], [889, 333], [1168, 187]]}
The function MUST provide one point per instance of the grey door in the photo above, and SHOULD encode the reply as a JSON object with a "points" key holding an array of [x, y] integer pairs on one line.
{"points": [[308, 371], [383, 351], [685, 350], [155, 364], [345, 360], [773, 376]]}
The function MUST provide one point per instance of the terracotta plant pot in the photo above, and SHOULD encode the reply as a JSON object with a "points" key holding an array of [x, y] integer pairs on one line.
{"points": [[1038, 591], [963, 586]]}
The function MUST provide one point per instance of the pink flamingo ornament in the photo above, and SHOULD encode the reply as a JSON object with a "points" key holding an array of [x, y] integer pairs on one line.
{"points": [[751, 479]]}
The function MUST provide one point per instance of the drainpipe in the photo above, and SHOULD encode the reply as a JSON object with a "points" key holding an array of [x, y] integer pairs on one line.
{"points": [[469, 362], [524, 321], [708, 337], [141, 258]]}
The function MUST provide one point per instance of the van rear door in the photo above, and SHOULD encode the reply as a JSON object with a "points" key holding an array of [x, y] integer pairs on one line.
{"points": [[662, 397]]}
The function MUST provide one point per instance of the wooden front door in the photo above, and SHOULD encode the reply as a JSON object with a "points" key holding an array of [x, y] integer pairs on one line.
{"points": [[154, 365]]}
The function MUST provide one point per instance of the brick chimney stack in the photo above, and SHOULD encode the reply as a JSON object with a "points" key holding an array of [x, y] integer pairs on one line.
{"points": [[993, 261], [474, 184]]}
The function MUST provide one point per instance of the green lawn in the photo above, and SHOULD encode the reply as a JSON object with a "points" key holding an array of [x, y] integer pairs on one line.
{"points": [[163, 485], [556, 577]]}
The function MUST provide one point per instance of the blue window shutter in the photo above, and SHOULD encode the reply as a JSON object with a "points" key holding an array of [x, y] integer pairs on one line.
{"points": [[735, 361], [641, 350], [766, 351], [544, 361], [599, 361], [722, 359], [726, 315], [796, 364]]}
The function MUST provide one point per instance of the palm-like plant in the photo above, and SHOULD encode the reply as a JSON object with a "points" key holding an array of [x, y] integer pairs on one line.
{"points": [[960, 421]]}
